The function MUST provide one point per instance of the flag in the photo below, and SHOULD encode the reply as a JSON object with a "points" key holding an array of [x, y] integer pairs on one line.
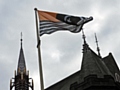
{"points": [[51, 22]]}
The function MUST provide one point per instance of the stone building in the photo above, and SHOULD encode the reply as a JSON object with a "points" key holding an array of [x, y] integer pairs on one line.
{"points": [[97, 73]]}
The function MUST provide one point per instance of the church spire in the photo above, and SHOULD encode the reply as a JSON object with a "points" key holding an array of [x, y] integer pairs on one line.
{"points": [[21, 61], [21, 80]]}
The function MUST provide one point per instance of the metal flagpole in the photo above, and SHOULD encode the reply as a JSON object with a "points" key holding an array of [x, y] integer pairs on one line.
{"points": [[39, 53]]}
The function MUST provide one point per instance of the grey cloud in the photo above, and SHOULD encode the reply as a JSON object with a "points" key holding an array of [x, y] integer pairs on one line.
{"points": [[19, 16]]}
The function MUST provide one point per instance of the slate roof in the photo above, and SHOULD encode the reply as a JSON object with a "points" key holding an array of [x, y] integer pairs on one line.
{"points": [[65, 83], [111, 64], [92, 64], [21, 61]]}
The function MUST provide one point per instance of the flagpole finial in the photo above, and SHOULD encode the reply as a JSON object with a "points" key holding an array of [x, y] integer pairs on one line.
{"points": [[35, 9]]}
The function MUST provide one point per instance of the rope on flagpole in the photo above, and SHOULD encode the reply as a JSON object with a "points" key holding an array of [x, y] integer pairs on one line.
{"points": [[39, 53]]}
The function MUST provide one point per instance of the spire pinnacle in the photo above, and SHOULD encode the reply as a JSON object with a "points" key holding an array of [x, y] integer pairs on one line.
{"points": [[98, 49], [85, 45]]}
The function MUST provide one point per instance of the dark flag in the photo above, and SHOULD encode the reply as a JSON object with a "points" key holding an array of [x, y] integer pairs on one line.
{"points": [[51, 22]]}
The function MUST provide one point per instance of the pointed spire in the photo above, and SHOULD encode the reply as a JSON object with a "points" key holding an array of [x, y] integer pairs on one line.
{"points": [[21, 80], [98, 49], [21, 61], [85, 45]]}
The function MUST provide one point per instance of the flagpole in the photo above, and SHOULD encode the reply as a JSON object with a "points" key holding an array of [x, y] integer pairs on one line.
{"points": [[39, 53]]}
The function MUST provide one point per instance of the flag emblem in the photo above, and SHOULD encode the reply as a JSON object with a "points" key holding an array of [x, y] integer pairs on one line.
{"points": [[51, 22]]}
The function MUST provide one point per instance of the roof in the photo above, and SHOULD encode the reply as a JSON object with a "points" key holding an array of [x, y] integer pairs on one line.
{"points": [[65, 83], [111, 64], [92, 64], [21, 61]]}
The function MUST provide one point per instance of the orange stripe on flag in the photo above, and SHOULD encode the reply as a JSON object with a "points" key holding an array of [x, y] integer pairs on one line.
{"points": [[43, 15]]}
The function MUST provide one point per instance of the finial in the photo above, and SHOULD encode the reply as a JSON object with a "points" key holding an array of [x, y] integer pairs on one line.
{"points": [[21, 39], [83, 36], [21, 36], [98, 49], [35, 9], [85, 45]]}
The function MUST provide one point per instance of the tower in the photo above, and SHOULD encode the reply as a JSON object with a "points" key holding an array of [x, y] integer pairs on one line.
{"points": [[21, 80]]}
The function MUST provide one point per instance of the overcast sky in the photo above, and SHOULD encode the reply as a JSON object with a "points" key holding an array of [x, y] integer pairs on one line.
{"points": [[61, 51]]}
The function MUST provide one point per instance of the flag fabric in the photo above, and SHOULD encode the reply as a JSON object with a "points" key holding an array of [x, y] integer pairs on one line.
{"points": [[51, 22]]}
